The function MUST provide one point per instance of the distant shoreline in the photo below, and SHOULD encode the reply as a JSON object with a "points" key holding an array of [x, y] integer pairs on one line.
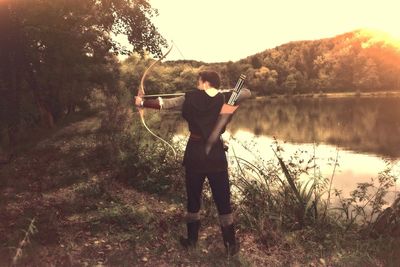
{"points": [[334, 95]]}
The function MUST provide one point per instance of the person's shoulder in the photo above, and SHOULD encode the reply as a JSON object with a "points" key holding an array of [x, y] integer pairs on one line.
{"points": [[221, 95], [193, 93], [189, 93]]}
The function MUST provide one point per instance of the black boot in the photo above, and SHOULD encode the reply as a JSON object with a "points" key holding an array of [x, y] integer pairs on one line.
{"points": [[230, 242], [193, 235]]}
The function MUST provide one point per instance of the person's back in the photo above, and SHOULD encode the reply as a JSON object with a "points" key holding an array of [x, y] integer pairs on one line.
{"points": [[202, 110]]}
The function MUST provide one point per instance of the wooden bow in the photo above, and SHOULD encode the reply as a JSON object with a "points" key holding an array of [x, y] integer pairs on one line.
{"points": [[141, 93]]}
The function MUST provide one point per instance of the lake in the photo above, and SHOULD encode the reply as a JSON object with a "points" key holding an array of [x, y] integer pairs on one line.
{"points": [[363, 132]]}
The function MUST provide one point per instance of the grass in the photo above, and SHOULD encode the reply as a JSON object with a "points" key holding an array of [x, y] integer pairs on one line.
{"points": [[106, 199], [282, 209]]}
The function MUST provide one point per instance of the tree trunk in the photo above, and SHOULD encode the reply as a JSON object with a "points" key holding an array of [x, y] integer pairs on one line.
{"points": [[46, 117]]}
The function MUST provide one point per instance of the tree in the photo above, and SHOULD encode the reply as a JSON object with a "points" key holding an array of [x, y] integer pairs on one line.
{"points": [[54, 52], [290, 83], [264, 80], [232, 72], [256, 62], [367, 76]]}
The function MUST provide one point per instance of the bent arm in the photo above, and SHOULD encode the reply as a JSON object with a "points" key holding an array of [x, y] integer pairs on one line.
{"points": [[244, 94]]}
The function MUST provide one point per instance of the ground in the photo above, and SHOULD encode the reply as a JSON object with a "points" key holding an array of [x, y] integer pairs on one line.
{"points": [[82, 213], [84, 216]]}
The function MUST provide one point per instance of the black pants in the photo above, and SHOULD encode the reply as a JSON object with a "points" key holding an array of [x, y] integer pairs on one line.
{"points": [[219, 183]]}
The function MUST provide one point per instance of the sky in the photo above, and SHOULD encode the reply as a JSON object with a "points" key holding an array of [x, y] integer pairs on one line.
{"points": [[224, 30]]}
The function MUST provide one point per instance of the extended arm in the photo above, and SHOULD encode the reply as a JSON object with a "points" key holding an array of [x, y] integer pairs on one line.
{"points": [[160, 103]]}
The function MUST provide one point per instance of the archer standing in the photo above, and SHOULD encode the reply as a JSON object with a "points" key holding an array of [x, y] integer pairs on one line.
{"points": [[201, 108]]}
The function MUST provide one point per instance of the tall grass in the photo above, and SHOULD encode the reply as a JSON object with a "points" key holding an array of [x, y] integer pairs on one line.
{"points": [[272, 195], [140, 159], [365, 203]]}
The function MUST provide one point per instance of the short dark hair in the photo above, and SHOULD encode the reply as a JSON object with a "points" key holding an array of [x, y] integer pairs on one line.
{"points": [[210, 76]]}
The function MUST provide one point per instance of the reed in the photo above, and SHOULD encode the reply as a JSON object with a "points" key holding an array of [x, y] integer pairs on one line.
{"points": [[24, 242], [272, 197]]}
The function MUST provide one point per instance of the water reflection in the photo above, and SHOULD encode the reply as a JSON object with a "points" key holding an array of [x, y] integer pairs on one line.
{"points": [[353, 167], [366, 125], [364, 130]]}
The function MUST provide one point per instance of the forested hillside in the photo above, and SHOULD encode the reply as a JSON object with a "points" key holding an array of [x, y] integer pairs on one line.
{"points": [[360, 60], [357, 61]]}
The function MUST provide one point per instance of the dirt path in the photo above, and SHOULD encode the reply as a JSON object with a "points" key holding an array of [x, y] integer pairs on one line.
{"points": [[85, 217]]}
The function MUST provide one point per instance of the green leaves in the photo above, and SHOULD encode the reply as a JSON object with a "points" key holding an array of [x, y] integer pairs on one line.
{"points": [[53, 53]]}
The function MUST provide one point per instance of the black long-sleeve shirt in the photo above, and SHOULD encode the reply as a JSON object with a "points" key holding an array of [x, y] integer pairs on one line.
{"points": [[201, 112]]}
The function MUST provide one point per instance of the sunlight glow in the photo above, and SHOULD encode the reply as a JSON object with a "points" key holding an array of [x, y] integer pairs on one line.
{"points": [[380, 36], [224, 30]]}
